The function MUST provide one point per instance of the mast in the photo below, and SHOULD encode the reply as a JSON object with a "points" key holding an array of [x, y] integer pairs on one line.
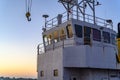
{"points": [[80, 7]]}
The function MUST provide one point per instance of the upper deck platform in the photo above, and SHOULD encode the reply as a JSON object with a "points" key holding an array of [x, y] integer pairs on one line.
{"points": [[77, 15]]}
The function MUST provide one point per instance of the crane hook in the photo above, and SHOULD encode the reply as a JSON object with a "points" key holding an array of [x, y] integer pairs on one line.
{"points": [[28, 16], [28, 9]]}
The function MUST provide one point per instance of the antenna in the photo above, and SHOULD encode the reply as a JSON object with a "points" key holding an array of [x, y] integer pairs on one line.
{"points": [[80, 7], [68, 4], [45, 16]]}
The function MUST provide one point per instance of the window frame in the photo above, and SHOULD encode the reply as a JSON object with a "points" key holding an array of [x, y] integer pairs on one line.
{"points": [[56, 39], [87, 35], [96, 34], [113, 39], [86, 32], [78, 33], [69, 31], [55, 72], [62, 34], [49, 38], [106, 37], [41, 73], [45, 40]]}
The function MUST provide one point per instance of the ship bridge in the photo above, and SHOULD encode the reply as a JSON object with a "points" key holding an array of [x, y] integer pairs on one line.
{"points": [[83, 44], [78, 47], [60, 30]]}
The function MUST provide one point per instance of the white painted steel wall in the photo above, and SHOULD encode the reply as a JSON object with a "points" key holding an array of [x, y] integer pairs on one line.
{"points": [[78, 73], [48, 62], [91, 74], [89, 56], [101, 57], [74, 56]]}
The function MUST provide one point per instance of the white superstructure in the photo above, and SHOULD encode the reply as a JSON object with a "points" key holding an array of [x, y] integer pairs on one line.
{"points": [[78, 48]]}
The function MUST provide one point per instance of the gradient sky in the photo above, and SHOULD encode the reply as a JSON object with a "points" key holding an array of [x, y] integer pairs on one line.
{"points": [[19, 38]]}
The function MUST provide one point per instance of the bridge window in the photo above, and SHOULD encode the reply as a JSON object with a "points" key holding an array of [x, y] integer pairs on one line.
{"points": [[87, 34], [113, 38], [96, 35], [106, 37], [69, 31], [45, 40], [78, 30], [56, 36], [62, 34], [49, 39]]}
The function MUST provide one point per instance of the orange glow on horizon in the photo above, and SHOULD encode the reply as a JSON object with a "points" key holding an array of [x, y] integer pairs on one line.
{"points": [[17, 62], [18, 71]]}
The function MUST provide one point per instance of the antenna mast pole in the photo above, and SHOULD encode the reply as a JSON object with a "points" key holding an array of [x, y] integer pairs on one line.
{"points": [[45, 16], [84, 10], [94, 11], [80, 7], [68, 14]]}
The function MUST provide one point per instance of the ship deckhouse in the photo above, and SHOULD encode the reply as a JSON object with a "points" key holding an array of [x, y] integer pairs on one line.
{"points": [[78, 47]]}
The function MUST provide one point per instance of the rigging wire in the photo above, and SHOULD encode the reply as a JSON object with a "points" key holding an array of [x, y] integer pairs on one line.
{"points": [[28, 4]]}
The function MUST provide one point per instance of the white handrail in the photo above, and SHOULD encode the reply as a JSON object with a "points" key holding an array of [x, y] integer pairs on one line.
{"points": [[88, 18]]}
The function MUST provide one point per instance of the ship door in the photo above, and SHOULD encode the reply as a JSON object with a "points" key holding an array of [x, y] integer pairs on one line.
{"points": [[87, 34]]}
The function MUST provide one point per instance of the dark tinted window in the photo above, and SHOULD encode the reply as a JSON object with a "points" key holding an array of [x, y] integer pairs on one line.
{"points": [[78, 30], [106, 37], [113, 38], [96, 35], [87, 34]]}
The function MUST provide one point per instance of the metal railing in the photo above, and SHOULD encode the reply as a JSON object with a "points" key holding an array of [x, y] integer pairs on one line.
{"points": [[63, 43], [53, 22], [40, 48], [74, 15], [67, 42]]}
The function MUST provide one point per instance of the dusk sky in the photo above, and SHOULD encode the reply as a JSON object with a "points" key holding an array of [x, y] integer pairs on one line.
{"points": [[19, 38]]}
